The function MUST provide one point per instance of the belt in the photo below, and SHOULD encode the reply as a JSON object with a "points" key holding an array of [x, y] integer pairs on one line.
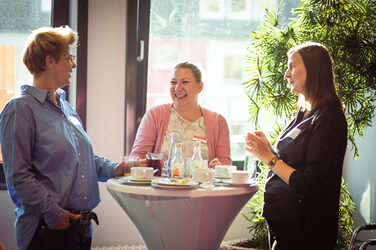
{"points": [[86, 216]]}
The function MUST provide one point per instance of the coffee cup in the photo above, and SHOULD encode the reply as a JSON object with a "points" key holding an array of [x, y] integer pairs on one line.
{"points": [[224, 171], [203, 174], [141, 173], [239, 176]]}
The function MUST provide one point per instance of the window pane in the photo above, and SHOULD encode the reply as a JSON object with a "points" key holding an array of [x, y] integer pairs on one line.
{"points": [[212, 34], [16, 20]]}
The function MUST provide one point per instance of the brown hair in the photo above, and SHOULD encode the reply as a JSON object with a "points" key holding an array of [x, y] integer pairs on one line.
{"points": [[46, 41], [195, 70], [319, 86]]}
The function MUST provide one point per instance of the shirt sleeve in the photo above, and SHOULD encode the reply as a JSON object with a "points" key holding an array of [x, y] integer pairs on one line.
{"points": [[17, 137], [106, 169], [222, 150], [146, 136]]}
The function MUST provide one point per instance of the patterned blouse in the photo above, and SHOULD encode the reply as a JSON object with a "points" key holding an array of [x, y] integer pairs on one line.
{"points": [[186, 131]]}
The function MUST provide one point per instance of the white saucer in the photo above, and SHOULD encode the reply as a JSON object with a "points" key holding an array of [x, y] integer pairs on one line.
{"points": [[238, 184], [129, 181], [158, 185], [222, 177], [140, 180]]}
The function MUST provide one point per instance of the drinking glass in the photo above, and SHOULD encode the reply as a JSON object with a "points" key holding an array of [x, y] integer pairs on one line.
{"points": [[155, 160], [188, 168], [131, 161], [165, 170], [250, 165]]}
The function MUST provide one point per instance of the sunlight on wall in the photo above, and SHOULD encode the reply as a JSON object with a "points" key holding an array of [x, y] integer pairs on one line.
{"points": [[365, 206]]}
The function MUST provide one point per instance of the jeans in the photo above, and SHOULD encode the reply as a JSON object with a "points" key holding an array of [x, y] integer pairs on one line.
{"points": [[76, 236]]}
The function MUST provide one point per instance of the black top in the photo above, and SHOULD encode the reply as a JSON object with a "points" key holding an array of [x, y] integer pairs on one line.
{"points": [[315, 146]]}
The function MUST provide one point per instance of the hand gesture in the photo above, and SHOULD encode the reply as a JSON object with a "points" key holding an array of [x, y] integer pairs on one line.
{"points": [[65, 222], [214, 163], [258, 145]]}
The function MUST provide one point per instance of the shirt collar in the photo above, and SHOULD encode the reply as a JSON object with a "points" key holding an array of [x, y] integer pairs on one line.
{"points": [[40, 94]]}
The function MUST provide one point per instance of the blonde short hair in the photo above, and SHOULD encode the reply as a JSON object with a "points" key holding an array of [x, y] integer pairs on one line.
{"points": [[46, 41]]}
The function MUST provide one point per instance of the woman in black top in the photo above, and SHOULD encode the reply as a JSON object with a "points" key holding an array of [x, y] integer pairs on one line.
{"points": [[301, 198]]}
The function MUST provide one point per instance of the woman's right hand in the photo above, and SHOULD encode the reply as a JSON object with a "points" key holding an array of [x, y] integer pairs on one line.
{"points": [[258, 145], [263, 137]]}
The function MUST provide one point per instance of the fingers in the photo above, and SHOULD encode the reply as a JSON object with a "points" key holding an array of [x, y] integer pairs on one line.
{"points": [[214, 163], [73, 216], [121, 168], [259, 133], [64, 223], [142, 163]]}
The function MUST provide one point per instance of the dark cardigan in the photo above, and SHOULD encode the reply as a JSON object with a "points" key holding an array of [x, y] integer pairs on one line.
{"points": [[315, 146]]}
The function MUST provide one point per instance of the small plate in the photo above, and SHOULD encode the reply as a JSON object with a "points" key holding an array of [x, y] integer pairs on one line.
{"points": [[127, 180], [234, 184], [174, 183], [157, 185], [206, 186], [222, 177], [140, 180]]}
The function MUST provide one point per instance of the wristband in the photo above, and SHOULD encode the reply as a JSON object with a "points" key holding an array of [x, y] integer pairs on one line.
{"points": [[273, 161]]}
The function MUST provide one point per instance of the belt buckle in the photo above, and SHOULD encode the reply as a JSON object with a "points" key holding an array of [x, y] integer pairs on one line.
{"points": [[85, 217]]}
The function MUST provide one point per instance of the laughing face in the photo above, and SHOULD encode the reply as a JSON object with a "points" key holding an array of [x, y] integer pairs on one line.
{"points": [[63, 69], [296, 73], [184, 89]]}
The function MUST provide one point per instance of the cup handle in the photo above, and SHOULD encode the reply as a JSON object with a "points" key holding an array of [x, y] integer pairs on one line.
{"points": [[143, 173]]}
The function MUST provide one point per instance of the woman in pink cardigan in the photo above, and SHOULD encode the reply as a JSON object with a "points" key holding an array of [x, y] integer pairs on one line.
{"points": [[184, 116]]}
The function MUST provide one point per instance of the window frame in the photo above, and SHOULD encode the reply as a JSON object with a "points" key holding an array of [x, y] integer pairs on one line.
{"points": [[138, 22], [61, 14]]}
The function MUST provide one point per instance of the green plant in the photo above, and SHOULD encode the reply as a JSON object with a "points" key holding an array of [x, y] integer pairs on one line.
{"points": [[258, 228], [347, 29]]}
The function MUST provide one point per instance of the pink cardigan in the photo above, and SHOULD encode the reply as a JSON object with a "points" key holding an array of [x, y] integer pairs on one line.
{"points": [[153, 128]]}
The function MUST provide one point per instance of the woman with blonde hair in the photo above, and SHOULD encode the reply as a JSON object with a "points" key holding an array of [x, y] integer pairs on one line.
{"points": [[51, 170]]}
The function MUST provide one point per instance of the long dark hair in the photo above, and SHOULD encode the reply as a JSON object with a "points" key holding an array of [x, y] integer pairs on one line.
{"points": [[319, 87]]}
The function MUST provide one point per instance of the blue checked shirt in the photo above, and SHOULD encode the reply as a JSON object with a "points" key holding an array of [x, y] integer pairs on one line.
{"points": [[48, 160]]}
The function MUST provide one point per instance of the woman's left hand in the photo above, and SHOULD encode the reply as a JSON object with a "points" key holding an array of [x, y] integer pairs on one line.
{"points": [[258, 145], [214, 163]]}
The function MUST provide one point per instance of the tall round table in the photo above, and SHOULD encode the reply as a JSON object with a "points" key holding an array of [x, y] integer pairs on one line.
{"points": [[178, 219]]}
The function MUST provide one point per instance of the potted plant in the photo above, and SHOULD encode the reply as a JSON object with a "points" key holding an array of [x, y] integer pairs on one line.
{"points": [[347, 29]]}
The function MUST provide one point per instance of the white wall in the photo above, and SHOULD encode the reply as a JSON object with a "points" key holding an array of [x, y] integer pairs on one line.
{"points": [[7, 217], [105, 108], [360, 175]]}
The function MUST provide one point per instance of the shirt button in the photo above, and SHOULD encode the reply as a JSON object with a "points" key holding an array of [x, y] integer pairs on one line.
{"points": [[62, 115], [79, 154], [82, 176], [72, 133], [85, 198]]}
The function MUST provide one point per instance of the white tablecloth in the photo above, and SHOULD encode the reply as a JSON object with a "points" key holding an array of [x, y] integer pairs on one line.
{"points": [[181, 219]]}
